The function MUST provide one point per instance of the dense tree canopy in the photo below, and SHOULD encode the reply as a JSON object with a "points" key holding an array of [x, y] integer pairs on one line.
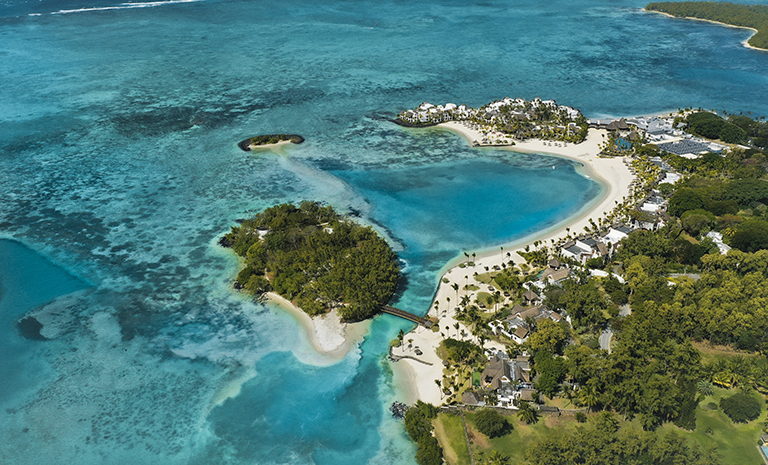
{"points": [[742, 407], [317, 259], [490, 422], [418, 424]]}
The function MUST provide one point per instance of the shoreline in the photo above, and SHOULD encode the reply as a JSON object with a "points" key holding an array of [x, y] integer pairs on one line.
{"points": [[326, 334], [743, 42], [612, 174]]}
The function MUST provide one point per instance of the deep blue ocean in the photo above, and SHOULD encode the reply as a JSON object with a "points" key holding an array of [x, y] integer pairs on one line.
{"points": [[119, 171]]}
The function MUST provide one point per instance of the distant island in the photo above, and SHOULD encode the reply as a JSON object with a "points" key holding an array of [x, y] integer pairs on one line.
{"points": [[749, 16], [503, 121], [317, 259], [267, 140]]}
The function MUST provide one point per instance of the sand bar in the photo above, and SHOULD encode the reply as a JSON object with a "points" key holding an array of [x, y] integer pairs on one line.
{"points": [[612, 173], [329, 337]]}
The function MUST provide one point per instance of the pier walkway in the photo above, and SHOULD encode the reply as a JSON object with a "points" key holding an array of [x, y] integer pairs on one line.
{"points": [[408, 316]]}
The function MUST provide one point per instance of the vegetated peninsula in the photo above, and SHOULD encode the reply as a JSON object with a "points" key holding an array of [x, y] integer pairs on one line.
{"points": [[639, 335], [750, 16], [317, 259], [268, 140]]}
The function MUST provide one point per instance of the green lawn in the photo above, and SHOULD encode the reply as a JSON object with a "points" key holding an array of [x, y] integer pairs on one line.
{"points": [[485, 298], [515, 442], [486, 278], [734, 441], [450, 433]]}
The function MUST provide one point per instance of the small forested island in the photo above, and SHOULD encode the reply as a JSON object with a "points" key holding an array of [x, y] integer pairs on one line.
{"points": [[268, 139], [751, 16], [506, 118], [317, 259]]}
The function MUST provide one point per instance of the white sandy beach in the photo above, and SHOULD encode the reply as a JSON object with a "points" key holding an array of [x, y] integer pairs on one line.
{"points": [[256, 148], [417, 379], [331, 338]]}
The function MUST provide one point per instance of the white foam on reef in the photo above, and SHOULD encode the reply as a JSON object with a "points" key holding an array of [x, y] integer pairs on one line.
{"points": [[122, 6]]}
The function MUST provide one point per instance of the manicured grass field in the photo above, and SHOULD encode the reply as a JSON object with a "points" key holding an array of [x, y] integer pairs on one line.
{"points": [[734, 441], [450, 433], [517, 440]]}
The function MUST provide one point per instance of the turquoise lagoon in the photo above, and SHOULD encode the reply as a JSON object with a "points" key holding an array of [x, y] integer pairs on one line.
{"points": [[118, 125]]}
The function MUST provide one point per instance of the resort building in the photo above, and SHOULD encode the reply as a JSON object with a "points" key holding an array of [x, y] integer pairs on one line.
{"points": [[717, 238], [516, 326]]}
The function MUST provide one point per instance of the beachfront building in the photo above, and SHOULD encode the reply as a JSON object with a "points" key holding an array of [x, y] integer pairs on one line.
{"points": [[584, 248], [654, 203], [505, 376], [543, 119], [517, 325], [614, 235], [553, 277]]}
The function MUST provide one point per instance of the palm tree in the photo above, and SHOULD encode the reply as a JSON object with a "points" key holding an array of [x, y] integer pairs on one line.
{"points": [[439, 386], [588, 397], [456, 326], [527, 414], [705, 388], [497, 458], [455, 287]]}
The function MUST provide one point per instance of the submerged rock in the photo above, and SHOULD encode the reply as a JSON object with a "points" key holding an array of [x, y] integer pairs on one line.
{"points": [[398, 409], [30, 328]]}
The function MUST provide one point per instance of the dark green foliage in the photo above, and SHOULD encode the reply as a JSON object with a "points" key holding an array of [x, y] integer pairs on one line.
{"points": [[696, 221], [746, 191], [732, 134], [742, 407], [684, 199], [602, 442], [705, 124], [551, 370], [754, 16], [313, 257], [418, 424], [582, 302], [687, 253], [429, 451], [751, 236], [581, 417], [642, 242], [461, 350], [616, 291], [490, 422]]}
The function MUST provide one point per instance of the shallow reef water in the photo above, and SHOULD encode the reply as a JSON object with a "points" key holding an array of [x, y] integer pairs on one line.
{"points": [[119, 171]]}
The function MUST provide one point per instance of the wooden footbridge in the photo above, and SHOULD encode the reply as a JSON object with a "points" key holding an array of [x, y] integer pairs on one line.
{"points": [[408, 316]]}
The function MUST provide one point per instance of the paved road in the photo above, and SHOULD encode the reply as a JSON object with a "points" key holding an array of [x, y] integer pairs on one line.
{"points": [[605, 340]]}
